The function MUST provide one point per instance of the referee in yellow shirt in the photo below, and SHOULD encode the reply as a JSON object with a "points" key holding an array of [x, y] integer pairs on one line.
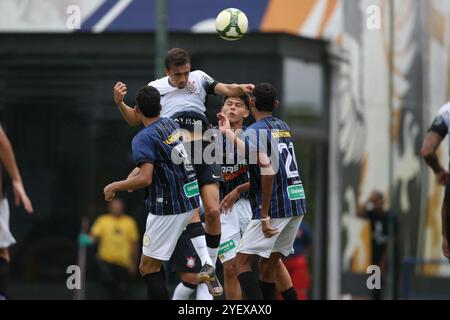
{"points": [[117, 236]]}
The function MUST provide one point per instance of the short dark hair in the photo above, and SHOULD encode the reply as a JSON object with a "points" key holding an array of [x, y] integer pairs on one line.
{"points": [[244, 98], [177, 57], [148, 101], [265, 96]]}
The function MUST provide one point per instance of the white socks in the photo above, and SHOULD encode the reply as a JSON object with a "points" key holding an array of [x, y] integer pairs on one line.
{"points": [[212, 253], [199, 244], [203, 292], [182, 292]]}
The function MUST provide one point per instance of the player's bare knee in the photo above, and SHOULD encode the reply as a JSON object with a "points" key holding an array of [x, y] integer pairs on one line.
{"points": [[243, 263], [229, 269], [149, 265], [212, 216]]}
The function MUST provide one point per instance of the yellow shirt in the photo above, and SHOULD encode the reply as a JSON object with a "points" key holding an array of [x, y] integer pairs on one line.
{"points": [[116, 236]]}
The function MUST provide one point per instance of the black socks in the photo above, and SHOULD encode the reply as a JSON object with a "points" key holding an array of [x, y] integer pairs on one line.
{"points": [[250, 285], [289, 294], [156, 286]]}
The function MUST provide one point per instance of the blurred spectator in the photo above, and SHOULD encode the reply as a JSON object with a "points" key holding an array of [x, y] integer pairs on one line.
{"points": [[117, 235], [297, 264], [374, 210]]}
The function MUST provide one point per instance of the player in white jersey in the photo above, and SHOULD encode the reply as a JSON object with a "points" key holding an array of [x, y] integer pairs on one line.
{"points": [[437, 132], [183, 95]]}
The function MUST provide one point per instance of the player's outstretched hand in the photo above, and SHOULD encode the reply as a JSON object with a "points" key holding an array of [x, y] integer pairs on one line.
{"points": [[229, 200], [120, 90], [109, 193], [268, 231], [20, 196], [224, 123], [247, 88], [442, 177]]}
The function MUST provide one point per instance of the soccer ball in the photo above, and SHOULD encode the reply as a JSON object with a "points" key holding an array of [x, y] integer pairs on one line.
{"points": [[231, 24]]}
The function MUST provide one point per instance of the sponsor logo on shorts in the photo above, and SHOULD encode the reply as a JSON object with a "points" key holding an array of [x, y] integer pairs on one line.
{"points": [[296, 192], [226, 246], [191, 189], [146, 241]]}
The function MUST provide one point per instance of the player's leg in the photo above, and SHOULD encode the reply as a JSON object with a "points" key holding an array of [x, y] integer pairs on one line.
{"points": [[160, 239], [248, 280], [283, 282], [186, 287], [4, 272], [231, 237], [209, 177], [198, 239], [210, 198], [231, 282], [267, 270], [282, 247], [253, 243], [150, 270]]}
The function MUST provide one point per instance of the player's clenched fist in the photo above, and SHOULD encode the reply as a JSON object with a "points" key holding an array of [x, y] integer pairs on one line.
{"points": [[109, 192], [120, 90], [247, 88]]}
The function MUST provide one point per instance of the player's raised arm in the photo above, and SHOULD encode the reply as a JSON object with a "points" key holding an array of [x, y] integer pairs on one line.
{"points": [[128, 113], [233, 90], [141, 180], [430, 145], [267, 180]]}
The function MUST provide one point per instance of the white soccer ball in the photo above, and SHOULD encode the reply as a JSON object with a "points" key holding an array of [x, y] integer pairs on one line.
{"points": [[231, 24]]}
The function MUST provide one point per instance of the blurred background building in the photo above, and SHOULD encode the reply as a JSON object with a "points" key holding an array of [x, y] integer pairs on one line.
{"points": [[360, 82]]}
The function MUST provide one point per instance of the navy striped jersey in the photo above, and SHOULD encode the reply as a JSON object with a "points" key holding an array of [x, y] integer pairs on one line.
{"points": [[273, 137], [234, 168], [174, 188]]}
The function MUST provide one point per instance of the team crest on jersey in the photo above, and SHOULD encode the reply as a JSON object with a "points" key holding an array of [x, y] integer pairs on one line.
{"points": [[190, 262], [190, 87]]}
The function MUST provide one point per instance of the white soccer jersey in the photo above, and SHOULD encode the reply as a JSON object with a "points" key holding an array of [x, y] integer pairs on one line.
{"points": [[441, 123], [190, 98]]}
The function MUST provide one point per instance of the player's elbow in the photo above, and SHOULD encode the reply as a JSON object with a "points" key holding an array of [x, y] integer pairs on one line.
{"points": [[145, 180], [427, 152]]}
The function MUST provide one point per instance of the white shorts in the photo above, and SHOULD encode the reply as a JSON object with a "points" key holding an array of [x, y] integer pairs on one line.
{"points": [[6, 238], [254, 242], [162, 233], [234, 222]]}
